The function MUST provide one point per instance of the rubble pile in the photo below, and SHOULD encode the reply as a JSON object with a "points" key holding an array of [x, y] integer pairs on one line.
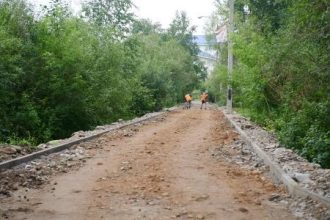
{"points": [[39, 171], [35, 173], [8, 152], [308, 175], [238, 152]]}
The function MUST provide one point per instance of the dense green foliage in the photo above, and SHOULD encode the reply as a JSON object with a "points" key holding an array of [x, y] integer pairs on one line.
{"points": [[282, 75], [60, 73]]}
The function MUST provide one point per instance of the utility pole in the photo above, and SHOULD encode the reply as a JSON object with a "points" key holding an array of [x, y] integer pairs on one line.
{"points": [[230, 55]]}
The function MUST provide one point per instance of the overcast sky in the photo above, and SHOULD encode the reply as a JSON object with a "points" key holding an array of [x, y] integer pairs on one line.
{"points": [[163, 11]]}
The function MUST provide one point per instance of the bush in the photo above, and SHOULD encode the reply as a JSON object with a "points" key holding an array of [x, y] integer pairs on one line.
{"points": [[60, 73], [308, 132], [281, 71]]}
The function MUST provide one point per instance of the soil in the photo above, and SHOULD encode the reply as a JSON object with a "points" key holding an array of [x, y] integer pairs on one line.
{"points": [[306, 174], [163, 169]]}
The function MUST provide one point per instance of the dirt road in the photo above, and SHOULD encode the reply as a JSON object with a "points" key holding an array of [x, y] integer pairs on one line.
{"points": [[165, 170]]}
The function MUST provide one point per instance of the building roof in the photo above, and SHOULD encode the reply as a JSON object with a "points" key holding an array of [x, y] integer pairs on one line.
{"points": [[206, 55], [201, 40], [221, 34]]}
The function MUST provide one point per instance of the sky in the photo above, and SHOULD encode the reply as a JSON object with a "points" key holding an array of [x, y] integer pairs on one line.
{"points": [[163, 11]]}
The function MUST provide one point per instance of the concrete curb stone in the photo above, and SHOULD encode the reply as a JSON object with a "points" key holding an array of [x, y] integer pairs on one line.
{"points": [[277, 172], [62, 146]]}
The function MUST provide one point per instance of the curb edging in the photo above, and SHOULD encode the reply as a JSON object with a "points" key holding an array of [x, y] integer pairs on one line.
{"points": [[277, 173], [24, 159]]}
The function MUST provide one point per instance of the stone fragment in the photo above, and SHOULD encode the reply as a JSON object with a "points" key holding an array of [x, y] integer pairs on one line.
{"points": [[8, 150], [274, 197], [244, 210], [201, 198], [301, 177], [200, 216]]}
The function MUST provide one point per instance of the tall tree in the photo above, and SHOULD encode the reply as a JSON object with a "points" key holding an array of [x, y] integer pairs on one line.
{"points": [[182, 32], [282, 75], [111, 13], [17, 111]]}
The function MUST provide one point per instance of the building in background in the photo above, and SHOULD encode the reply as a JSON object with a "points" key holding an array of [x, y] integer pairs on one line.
{"points": [[221, 34], [206, 54]]}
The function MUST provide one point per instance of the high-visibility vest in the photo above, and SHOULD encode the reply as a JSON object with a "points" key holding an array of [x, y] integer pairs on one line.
{"points": [[204, 97], [187, 97]]}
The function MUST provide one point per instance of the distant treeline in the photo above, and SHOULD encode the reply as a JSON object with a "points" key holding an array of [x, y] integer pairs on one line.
{"points": [[60, 73], [282, 71]]}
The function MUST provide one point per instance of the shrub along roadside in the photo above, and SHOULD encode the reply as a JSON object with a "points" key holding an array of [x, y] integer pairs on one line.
{"points": [[60, 73], [281, 72]]}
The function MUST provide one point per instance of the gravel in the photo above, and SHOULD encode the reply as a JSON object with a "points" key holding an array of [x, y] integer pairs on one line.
{"points": [[308, 175], [38, 172], [8, 152]]}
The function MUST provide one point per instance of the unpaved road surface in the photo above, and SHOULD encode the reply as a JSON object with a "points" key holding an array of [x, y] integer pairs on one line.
{"points": [[165, 170]]}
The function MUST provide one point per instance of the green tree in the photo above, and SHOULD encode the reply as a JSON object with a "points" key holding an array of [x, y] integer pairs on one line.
{"points": [[115, 14], [145, 27], [282, 68], [182, 32], [16, 33], [61, 73]]}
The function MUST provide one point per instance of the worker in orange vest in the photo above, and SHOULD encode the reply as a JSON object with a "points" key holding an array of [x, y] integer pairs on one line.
{"points": [[204, 97], [188, 99]]}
